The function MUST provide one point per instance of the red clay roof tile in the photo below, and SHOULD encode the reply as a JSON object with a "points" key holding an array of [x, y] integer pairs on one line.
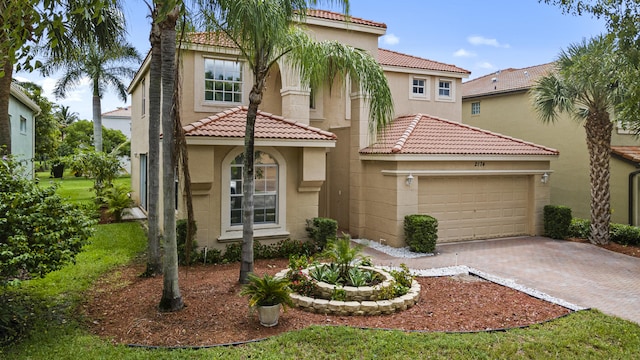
{"points": [[428, 135], [330, 15], [628, 152], [506, 80], [231, 124], [392, 58]]}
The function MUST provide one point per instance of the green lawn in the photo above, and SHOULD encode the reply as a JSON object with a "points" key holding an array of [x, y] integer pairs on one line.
{"points": [[75, 189], [58, 332]]}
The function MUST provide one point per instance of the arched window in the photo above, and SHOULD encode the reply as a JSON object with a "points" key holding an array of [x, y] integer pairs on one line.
{"points": [[265, 208]]}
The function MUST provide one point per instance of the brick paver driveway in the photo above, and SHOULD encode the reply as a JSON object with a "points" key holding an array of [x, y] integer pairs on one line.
{"points": [[582, 274]]}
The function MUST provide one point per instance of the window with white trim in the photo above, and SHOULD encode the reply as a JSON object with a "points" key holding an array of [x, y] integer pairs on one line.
{"points": [[419, 88], [265, 198], [222, 80], [475, 108], [23, 125], [444, 89]]}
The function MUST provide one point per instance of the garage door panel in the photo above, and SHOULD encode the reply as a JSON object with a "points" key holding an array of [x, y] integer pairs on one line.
{"points": [[476, 207]]}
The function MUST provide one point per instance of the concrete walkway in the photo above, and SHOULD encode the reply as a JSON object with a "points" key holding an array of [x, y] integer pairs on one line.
{"points": [[582, 274]]}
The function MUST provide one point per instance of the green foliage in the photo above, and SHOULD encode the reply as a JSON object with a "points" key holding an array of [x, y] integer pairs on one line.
{"points": [[39, 232], [181, 240], [579, 228], [118, 200], [289, 247], [103, 168], [298, 262], [302, 283], [339, 294], [79, 135], [46, 126], [557, 220], [421, 233], [342, 254], [321, 230], [210, 256], [232, 253], [625, 234], [267, 291]]}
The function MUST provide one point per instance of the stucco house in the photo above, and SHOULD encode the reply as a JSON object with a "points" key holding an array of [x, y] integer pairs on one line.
{"points": [[118, 119], [501, 102], [317, 158], [22, 116]]}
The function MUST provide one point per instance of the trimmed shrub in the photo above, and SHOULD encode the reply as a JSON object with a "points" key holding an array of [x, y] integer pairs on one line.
{"points": [[232, 253], [579, 228], [625, 234], [421, 233], [321, 229], [557, 220], [210, 256]]}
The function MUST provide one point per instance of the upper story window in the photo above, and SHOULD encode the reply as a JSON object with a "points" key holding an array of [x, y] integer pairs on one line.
{"points": [[312, 99], [23, 125], [222, 80], [475, 108], [419, 88], [446, 90]]}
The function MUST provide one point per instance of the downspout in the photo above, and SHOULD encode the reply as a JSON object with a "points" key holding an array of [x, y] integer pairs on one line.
{"points": [[632, 176]]}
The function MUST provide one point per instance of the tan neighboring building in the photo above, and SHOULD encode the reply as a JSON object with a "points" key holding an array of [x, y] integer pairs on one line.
{"points": [[501, 102], [316, 157]]}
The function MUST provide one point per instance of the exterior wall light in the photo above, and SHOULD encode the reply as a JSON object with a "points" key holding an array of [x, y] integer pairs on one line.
{"points": [[409, 179], [545, 178]]}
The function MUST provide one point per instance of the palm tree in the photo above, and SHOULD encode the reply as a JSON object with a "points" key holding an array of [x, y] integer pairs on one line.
{"points": [[65, 117], [585, 86], [265, 32], [59, 23], [104, 67]]}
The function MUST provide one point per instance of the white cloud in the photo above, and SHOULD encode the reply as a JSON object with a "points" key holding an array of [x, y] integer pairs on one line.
{"points": [[464, 53], [485, 65], [389, 39], [481, 40]]}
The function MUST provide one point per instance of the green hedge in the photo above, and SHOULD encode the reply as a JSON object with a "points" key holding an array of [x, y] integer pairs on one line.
{"points": [[421, 233], [557, 220], [322, 229], [620, 233], [579, 228]]}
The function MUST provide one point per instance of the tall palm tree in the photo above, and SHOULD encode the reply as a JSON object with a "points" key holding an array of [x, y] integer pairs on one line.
{"points": [[585, 86], [65, 117], [104, 67], [266, 31], [58, 23]]}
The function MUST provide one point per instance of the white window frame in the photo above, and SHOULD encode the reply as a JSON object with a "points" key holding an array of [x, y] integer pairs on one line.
{"points": [[426, 87], [475, 108], [234, 232], [23, 125], [239, 92], [451, 89]]}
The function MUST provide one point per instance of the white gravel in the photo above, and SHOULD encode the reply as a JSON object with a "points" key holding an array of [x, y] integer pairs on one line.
{"points": [[395, 252]]}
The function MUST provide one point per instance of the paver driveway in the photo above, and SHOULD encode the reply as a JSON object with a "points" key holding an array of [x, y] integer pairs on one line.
{"points": [[580, 273]]}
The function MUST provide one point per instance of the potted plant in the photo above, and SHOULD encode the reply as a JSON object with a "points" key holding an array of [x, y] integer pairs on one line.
{"points": [[267, 294]]}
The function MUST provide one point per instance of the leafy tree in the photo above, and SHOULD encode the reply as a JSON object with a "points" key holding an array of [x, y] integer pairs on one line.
{"points": [[623, 27], [265, 31], [47, 132], [59, 24], [105, 69], [585, 86], [102, 167], [79, 135], [39, 232]]}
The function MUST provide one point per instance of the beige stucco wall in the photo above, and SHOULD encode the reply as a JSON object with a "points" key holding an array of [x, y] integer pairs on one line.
{"points": [[514, 116]]}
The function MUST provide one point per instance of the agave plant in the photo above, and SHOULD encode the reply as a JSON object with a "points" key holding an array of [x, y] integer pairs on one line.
{"points": [[342, 253], [267, 291]]}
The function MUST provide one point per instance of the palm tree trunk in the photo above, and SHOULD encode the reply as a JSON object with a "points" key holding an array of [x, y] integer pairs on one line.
{"points": [[171, 298], [154, 264], [598, 128], [97, 117], [5, 94]]}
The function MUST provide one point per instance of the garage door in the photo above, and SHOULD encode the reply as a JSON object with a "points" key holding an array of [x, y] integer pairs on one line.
{"points": [[480, 207]]}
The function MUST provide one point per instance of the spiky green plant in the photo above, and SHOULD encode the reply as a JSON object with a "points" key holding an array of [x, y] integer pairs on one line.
{"points": [[340, 252], [267, 291]]}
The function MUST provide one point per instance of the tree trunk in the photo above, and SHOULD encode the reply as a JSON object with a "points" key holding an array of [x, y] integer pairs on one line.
{"points": [[171, 298], [97, 118], [154, 264], [5, 94], [599, 128], [248, 186]]}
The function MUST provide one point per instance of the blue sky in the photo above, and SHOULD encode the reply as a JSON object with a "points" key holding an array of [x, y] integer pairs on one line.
{"points": [[482, 36]]}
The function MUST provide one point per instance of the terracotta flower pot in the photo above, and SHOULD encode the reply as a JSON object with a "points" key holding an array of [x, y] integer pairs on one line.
{"points": [[269, 315]]}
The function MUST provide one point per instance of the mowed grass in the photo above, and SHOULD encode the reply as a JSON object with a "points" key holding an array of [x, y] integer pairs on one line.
{"points": [[60, 333], [75, 189]]}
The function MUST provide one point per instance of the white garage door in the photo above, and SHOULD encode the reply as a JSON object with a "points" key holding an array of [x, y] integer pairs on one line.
{"points": [[476, 207]]}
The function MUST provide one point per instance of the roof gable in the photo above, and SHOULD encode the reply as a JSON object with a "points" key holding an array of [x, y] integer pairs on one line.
{"points": [[429, 135], [507, 80], [393, 58], [231, 124]]}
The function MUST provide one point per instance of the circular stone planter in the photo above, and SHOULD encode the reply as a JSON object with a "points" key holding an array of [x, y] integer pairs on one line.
{"points": [[364, 300]]}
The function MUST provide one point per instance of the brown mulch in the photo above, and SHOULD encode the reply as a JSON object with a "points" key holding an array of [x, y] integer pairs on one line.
{"points": [[622, 249], [123, 307]]}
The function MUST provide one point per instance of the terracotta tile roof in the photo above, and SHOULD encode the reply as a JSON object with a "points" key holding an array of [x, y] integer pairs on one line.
{"points": [[210, 38], [330, 15], [231, 124], [428, 135], [627, 152], [506, 80], [119, 112], [392, 58]]}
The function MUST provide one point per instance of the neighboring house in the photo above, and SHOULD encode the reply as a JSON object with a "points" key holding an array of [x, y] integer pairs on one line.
{"points": [[118, 119], [22, 115], [316, 157], [501, 102]]}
